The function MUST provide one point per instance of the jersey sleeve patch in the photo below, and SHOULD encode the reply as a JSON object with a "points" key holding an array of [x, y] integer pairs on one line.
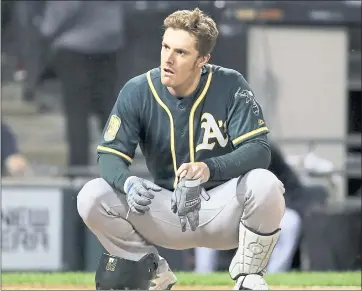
{"points": [[113, 126]]}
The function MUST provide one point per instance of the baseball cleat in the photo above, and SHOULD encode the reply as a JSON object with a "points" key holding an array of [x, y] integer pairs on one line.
{"points": [[251, 282], [163, 281]]}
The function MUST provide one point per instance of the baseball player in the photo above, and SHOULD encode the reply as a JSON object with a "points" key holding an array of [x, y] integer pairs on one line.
{"points": [[204, 139]]}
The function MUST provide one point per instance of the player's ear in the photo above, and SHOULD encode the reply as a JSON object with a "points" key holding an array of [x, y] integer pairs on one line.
{"points": [[203, 60]]}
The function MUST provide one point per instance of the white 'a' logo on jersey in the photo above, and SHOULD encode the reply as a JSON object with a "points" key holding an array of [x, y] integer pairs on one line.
{"points": [[212, 130]]}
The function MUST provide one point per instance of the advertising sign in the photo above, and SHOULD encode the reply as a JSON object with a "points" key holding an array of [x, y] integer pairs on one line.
{"points": [[31, 221]]}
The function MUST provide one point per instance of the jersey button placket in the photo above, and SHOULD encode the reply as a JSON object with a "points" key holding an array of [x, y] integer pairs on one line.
{"points": [[182, 106]]}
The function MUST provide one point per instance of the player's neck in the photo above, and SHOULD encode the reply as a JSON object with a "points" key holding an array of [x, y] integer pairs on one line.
{"points": [[187, 88]]}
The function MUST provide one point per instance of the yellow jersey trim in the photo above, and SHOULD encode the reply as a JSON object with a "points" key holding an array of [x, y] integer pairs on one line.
{"points": [[192, 115], [113, 151], [250, 134], [172, 130]]}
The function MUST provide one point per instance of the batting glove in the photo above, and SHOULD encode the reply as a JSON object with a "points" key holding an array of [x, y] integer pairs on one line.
{"points": [[138, 194], [186, 202]]}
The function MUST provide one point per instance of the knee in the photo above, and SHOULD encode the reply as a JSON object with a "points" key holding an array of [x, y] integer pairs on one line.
{"points": [[266, 188], [87, 199]]}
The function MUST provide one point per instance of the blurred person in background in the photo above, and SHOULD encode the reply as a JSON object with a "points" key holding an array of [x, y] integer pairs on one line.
{"points": [[291, 225], [33, 56], [6, 15], [206, 260], [13, 162], [86, 39], [282, 257]]}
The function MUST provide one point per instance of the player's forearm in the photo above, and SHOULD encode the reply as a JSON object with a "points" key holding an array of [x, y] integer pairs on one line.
{"points": [[251, 155], [114, 170]]}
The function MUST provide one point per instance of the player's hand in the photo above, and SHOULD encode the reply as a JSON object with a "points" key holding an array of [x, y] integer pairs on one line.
{"points": [[138, 194], [198, 170], [186, 202]]}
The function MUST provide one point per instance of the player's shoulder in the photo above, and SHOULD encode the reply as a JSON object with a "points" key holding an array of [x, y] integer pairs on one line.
{"points": [[226, 73], [230, 77], [138, 85]]}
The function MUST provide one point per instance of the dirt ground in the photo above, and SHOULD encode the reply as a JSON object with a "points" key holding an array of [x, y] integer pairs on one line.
{"points": [[73, 287]]}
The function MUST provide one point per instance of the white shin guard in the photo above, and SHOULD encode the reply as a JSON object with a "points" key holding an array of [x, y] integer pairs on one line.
{"points": [[253, 253]]}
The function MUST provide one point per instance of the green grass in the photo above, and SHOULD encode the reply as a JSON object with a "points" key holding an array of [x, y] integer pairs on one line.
{"points": [[215, 279]]}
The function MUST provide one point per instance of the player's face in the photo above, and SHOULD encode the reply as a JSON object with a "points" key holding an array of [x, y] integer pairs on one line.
{"points": [[180, 60]]}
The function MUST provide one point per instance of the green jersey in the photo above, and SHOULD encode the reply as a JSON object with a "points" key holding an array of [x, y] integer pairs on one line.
{"points": [[220, 115]]}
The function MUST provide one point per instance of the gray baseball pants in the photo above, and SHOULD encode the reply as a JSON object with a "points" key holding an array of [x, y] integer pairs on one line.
{"points": [[256, 200]]}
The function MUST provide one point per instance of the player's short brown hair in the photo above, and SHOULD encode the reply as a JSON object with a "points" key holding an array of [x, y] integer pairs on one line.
{"points": [[197, 23]]}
